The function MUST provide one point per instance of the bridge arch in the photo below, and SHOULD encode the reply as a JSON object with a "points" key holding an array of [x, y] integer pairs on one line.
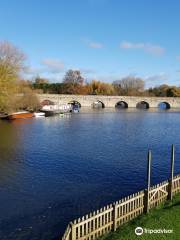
{"points": [[47, 102], [75, 103], [98, 104], [164, 105], [121, 105], [142, 105]]}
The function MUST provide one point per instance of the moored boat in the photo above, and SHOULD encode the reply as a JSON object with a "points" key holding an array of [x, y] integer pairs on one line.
{"points": [[39, 114], [51, 110], [19, 115], [75, 109], [3, 115]]}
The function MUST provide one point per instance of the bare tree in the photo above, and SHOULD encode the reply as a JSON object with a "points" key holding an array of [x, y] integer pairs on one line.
{"points": [[12, 59], [40, 80], [130, 85], [73, 77], [12, 63]]}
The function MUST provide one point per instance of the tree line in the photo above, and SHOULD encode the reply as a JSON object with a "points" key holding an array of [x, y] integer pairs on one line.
{"points": [[17, 93], [74, 83]]}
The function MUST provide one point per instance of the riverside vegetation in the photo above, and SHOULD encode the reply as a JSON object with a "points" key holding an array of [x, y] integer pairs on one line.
{"points": [[74, 83], [17, 93]]}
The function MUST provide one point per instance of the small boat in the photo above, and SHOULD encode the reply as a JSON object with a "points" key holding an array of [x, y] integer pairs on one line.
{"points": [[75, 110], [61, 114], [97, 104], [39, 114], [19, 115], [3, 115], [51, 110]]}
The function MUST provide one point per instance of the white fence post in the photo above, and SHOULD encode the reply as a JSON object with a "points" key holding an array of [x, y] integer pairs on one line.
{"points": [[73, 231], [114, 216]]}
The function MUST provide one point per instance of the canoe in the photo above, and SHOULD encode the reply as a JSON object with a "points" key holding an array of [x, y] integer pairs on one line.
{"points": [[20, 115]]}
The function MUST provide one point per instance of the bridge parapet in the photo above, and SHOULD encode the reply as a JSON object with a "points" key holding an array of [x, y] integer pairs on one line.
{"points": [[110, 101]]}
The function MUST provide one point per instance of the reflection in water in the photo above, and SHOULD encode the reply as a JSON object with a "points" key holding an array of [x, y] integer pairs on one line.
{"points": [[121, 105], [164, 106], [8, 150], [55, 169], [24, 121], [143, 105]]}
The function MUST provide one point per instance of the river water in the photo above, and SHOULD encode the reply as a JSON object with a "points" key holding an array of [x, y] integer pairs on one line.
{"points": [[55, 169]]}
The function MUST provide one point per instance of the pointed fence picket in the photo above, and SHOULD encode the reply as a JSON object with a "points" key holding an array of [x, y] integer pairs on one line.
{"points": [[108, 218], [176, 184]]}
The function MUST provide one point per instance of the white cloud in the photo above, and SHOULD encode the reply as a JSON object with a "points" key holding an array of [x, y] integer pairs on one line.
{"points": [[157, 78], [87, 70], [53, 65], [147, 47], [95, 45], [108, 78], [34, 70], [48, 66], [91, 44], [129, 45]]}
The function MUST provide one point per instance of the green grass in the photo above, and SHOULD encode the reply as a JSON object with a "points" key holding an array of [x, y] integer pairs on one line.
{"points": [[166, 216]]}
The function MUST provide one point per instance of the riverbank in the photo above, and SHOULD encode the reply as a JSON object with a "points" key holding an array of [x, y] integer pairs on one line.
{"points": [[165, 216]]}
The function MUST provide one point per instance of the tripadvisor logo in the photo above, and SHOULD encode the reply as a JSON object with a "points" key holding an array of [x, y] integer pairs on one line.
{"points": [[139, 231]]}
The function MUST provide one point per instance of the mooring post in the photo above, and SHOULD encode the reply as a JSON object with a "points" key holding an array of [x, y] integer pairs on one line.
{"points": [[146, 191], [170, 188]]}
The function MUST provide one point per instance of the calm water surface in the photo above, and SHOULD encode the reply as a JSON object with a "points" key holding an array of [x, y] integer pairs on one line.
{"points": [[53, 170]]}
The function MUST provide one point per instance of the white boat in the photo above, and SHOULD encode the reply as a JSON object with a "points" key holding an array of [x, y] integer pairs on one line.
{"points": [[39, 114], [50, 110], [75, 110]]}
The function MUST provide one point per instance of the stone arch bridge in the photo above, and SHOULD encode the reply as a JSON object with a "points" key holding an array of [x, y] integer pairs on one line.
{"points": [[112, 101]]}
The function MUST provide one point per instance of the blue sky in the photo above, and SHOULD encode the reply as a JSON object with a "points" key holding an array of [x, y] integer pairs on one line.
{"points": [[105, 39]]}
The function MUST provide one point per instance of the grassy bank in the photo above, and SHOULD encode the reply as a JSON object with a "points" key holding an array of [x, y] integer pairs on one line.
{"points": [[166, 216]]}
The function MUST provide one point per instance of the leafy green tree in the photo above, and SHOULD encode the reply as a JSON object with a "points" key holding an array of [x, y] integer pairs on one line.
{"points": [[173, 92], [163, 91]]}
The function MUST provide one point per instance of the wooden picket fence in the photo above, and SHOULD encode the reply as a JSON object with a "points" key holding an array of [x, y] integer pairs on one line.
{"points": [[112, 216]]}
